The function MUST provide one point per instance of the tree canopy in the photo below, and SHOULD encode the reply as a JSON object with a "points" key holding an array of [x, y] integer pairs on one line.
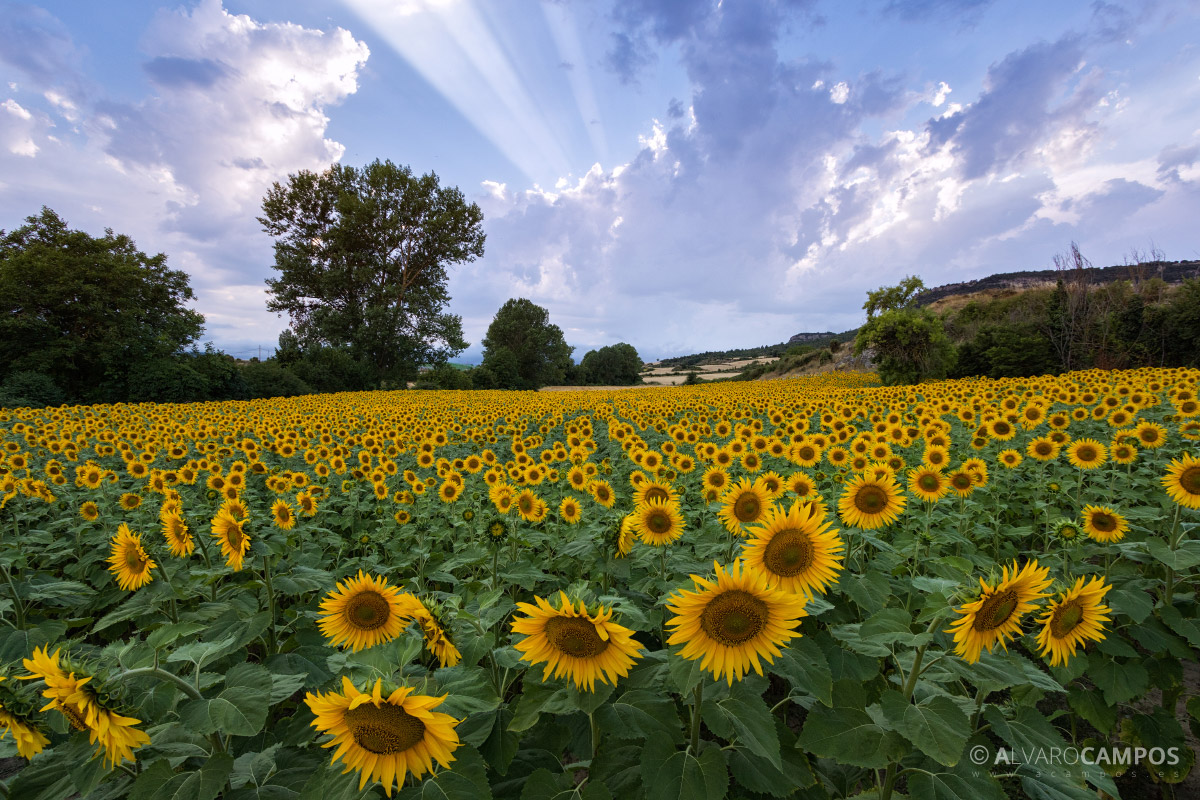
{"points": [[910, 344], [523, 349], [363, 257], [614, 365], [100, 320]]}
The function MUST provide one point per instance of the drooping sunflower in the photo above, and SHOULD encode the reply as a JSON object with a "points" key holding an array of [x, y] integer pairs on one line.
{"points": [[230, 532], [928, 484], [796, 550], [870, 503], [1182, 481], [437, 641], [384, 738], [658, 522], [17, 718], [77, 700], [175, 531], [584, 646], [744, 503], [282, 515], [732, 622], [1104, 524], [128, 561], [1076, 616], [996, 616], [1086, 454], [364, 611]]}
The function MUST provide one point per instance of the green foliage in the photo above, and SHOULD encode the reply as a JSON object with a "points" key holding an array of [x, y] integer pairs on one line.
{"points": [[362, 256], [271, 379], [910, 344], [1005, 351], [614, 365], [28, 388], [96, 314], [523, 349]]}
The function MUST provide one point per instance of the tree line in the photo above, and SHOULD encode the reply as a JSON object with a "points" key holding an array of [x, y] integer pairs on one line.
{"points": [[1077, 324], [361, 261]]}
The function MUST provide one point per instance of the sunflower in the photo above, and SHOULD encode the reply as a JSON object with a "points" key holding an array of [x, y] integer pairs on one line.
{"points": [[527, 504], [871, 502], [89, 511], [130, 501], [231, 533], [1182, 481], [1067, 530], [1151, 435], [744, 503], [928, 484], [658, 522], [1042, 448], [21, 724], [1104, 524], [584, 646], [936, 456], [732, 622], [282, 515], [306, 503], [626, 536], [1086, 454], [796, 550], [436, 640], [602, 493], [1010, 458], [996, 616], [497, 530], [801, 485], [649, 490], [569, 510], [384, 738], [128, 561], [175, 531], [1123, 452], [364, 611], [962, 482], [1074, 617], [78, 701], [449, 491]]}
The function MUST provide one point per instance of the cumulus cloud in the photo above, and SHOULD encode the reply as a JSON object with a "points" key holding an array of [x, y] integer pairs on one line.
{"points": [[236, 104]]}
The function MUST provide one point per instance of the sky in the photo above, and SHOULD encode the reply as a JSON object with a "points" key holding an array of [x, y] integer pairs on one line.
{"points": [[682, 175]]}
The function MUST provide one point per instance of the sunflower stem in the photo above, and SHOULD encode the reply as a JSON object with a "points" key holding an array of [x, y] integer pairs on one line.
{"points": [[163, 675], [18, 606], [595, 734], [697, 699], [272, 643], [1169, 591]]}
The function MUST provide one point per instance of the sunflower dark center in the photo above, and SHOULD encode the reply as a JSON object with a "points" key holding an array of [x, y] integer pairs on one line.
{"points": [[928, 482], [659, 522], [1043, 448], [996, 610], [870, 499], [657, 493], [1066, 618], [368, 610], [747, 508], [1068, 531], [790, 552], [734, 617], [1086, 453], [135, 560], [1105, 523], [807, 453], [234, 535], [1149, 436], [575, 636], [962, 480], [384, 730], [1189, 480]]}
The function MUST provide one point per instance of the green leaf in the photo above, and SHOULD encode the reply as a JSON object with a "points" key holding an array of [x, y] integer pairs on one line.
{"points": [[1184, 626], [804, 666], [202, 784], [850, 736], [870, 591], [641, 714], [542, 784], [1181, 559], [1028, 731], [751, 721], [1040, 783], [937, 726], [200, 653], [284, 686], [1089, 704], [241, 707], [1120, 682], [685, 672], [308, 660], [670, 774], [963, 781], [759, 775], [1130, 602]]}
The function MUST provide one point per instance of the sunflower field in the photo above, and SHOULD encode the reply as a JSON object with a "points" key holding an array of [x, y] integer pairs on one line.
{"points": [[812, 588]]}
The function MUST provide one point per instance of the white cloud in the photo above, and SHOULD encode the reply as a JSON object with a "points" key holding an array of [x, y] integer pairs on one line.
{"points": [[840, 92]]}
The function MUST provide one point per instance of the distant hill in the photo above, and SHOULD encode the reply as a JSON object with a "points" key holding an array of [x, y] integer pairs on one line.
{"points": [[1167, 271]]}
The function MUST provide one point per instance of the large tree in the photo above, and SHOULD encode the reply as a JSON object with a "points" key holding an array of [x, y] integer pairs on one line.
{"points": [[910, 344], [523, 349], [94, 315], [615, 365], [362, 256]]}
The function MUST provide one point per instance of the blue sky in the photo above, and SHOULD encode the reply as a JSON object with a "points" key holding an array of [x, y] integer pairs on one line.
{"points": [[681, 175]]}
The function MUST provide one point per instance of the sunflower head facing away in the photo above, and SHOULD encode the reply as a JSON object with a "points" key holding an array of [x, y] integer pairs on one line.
{"points": [[364, 611], [17, 717], [796, 550], [383, 737], [571, 641], [732, 622], [996, 616], [1076, 616]]}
